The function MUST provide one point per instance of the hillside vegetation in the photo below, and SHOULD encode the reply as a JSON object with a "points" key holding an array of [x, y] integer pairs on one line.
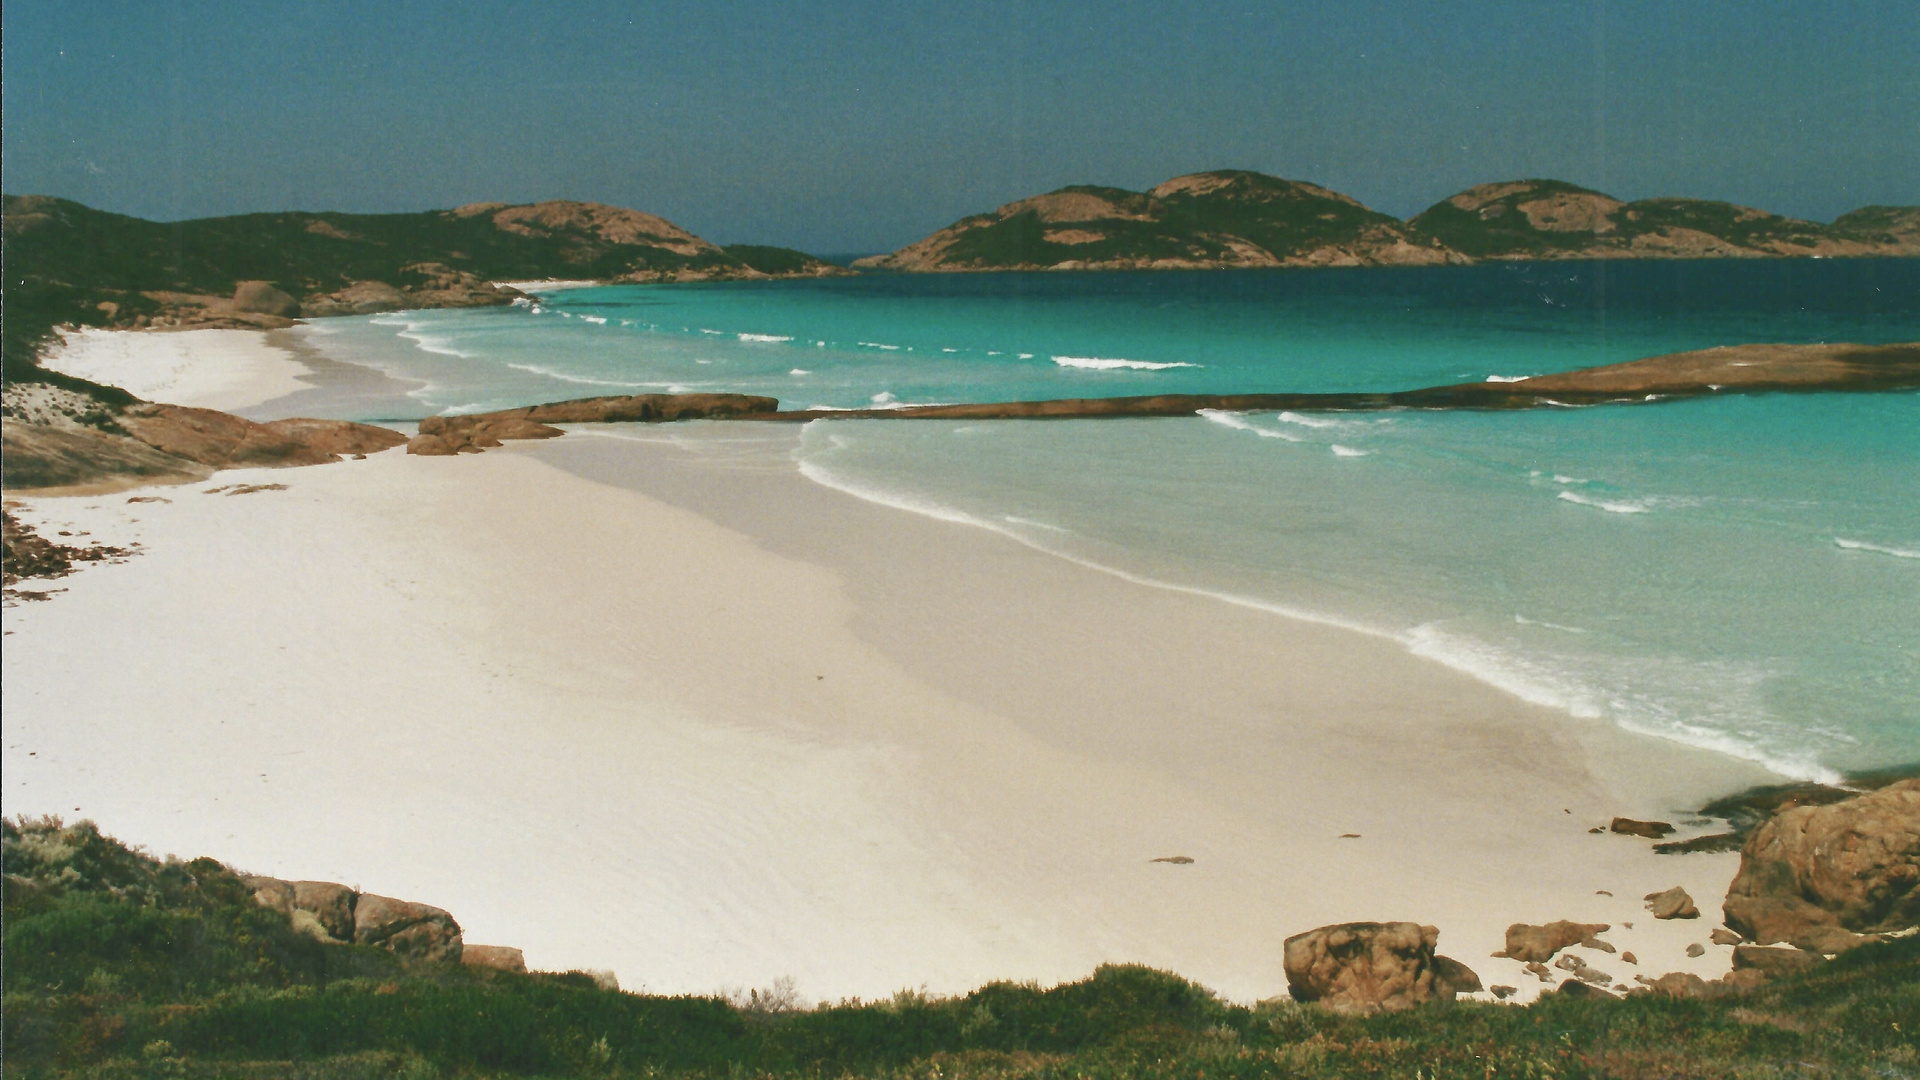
{"points": [[1238, 219], [122, 965], [71, 264]]}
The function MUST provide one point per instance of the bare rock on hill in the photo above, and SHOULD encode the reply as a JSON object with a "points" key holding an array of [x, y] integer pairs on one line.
{"points": [[262, 297], [1371, 967], [320, 908], [1774, 962], [1672, 904], [1537, 944], [1851, 865], [1652, 830], [498, 957], [415, 931], [1452, 977], [359, 298]]}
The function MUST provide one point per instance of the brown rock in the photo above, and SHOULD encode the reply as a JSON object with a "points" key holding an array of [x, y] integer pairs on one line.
{"points": [[359, 298], [332, 906], [1853, 864], [1539, 943], [498, 957], [1672, 904], [414, 931], [1652, 830], [215, 438], [1503, 992], [644, 408], [336, 436], [1828, 940], [262, 297], [1696, 949], [431, 446], [1540, 971], [1365, 967], [1452, 977], [1723, 936], [1774, 961], [1744, 979], [1680, 984], [1576, 988], [1629, 958]]}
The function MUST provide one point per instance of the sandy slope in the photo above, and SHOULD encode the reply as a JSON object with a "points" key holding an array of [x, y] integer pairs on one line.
{"points": [[666, 707]]}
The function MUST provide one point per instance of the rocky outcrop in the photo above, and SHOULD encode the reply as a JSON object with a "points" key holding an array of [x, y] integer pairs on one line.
{"points": [[414, 931], [262, 297], [1372, 967], [225, 441], [359, 298], [336, 914], [1818, 876], [444, 435], [1674, 903], [1652, 830], [1537, 944], [497, 957]]}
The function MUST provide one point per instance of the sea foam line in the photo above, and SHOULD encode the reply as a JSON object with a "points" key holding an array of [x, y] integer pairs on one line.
{"points": [[1862, 545], [1495, 667], [1239, 422], [1611, 506], [762, 337], [1102, 363]]}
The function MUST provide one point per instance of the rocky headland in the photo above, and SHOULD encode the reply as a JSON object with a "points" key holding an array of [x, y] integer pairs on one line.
{"points": [[1236, 219]]}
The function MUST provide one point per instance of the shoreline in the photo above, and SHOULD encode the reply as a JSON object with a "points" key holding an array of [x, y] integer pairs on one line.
{"points": [[860, 797]]}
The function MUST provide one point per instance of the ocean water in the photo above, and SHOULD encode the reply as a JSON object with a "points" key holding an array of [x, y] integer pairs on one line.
{"points": [[1739, 573]]}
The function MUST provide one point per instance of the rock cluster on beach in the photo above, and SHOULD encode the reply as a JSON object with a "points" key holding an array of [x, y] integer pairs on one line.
{"points": [[443, 435], [1820, 878]]}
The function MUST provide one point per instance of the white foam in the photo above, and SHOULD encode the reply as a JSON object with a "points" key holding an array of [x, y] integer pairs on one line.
{"points": [[715, 333], [1102, 363], [597, 320], [554, 285], [1862, 545], [884, 398], [1508, 378], [1239, 422], [1026, 356], [1308, 421], [1524, 621], [877, 345], [1531, 681], [1012, 520], [583, 380], [1348, 451], [1562, 478], [1611, 506], [762, 337], [799, 371]]}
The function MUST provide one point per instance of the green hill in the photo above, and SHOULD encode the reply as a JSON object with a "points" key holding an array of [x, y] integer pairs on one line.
{"points": [[1229, 218], [69, 263], [1551, 219]]}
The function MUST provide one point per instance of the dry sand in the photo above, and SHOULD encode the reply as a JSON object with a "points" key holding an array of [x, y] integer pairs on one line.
{"points": [[645, 699], [207, 369]]}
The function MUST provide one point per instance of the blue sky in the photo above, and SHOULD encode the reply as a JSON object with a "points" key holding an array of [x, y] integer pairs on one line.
{"points": [[861, 126]]}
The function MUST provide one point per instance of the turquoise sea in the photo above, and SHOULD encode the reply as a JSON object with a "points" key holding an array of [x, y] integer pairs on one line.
{"points": [[1740, 573]]}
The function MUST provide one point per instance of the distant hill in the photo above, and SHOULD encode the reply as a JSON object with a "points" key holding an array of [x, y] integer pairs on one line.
{"points": [[1234, 219], [1550, 219], [1229, 218], [71, 264], [784, 262]]}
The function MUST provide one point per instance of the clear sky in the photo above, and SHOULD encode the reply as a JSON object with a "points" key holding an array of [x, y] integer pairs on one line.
{"points": [[860, 126]]}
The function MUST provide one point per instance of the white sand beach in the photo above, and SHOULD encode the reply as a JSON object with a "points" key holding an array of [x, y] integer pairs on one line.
{"points": [[207, 369], [644, 698]]}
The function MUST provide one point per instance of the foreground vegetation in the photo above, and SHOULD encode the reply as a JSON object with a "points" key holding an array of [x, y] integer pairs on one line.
{"points": [[120, 965]]}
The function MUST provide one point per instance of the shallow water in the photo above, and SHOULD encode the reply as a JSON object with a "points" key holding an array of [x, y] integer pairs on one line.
{"points": [[1739, 573]]}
